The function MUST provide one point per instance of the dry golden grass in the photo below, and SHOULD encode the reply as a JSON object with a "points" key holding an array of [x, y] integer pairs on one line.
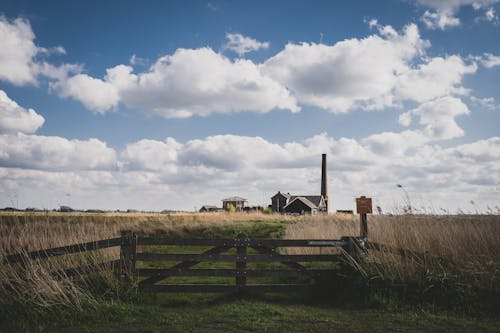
{"points": [[469, 245], [34, 281]]}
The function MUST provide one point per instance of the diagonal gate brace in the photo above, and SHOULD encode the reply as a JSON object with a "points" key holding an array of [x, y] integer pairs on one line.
{"points": [[182, 265]]}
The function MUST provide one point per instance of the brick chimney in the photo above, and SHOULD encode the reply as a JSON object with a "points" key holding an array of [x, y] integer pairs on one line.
{"points": [[324, 181]]}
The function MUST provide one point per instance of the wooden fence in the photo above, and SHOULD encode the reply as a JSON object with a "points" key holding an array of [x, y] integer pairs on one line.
{"points": [[263, 251]]}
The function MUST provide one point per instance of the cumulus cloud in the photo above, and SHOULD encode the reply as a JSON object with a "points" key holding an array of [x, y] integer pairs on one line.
{"points": [[189, 82], [18, 52], [95, 94], [21, 59], [179, 175], [55, 153], [14, 118], [438, 117], [241, 44], [349, 74], [436, 78]]}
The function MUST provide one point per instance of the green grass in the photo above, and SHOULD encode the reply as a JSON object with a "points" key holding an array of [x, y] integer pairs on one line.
{"points": [[267, 313]]}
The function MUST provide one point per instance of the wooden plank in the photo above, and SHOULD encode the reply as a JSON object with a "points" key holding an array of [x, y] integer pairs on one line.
{"points": [[296, 242], [142, 240], [182, 265], [241, 264], [232, 272], [234, 257], [58, 251], [217, 288]]}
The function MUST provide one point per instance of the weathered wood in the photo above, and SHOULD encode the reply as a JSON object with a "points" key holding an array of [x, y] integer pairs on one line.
{"points": [[182, 265], [128, 254], [235, 257], [246, 242], [164, 272], [216, 288], [363, 221], [62, 250], [241, 264]]}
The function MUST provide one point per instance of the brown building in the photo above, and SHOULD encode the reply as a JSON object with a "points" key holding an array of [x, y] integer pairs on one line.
{"points": [[279, 201], [302, 204], [236, 202]]}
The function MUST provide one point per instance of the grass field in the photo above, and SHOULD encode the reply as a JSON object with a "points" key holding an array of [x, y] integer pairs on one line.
{"points": [[459, 292]]}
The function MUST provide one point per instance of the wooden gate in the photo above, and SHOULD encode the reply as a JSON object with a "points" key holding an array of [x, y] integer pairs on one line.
{"points": [[263, 251]]}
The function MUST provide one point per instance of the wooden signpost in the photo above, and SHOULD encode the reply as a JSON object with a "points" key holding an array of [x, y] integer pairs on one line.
{"points": [[363, 207]]}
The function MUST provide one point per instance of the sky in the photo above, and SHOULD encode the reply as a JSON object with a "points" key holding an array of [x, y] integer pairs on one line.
{"points": [[157, 105]]}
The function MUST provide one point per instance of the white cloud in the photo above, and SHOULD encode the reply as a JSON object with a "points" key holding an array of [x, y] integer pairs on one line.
{"points": [[349, 74], [17, 52], [443, 12], [20, 62], [14, 118], [55, 153], [189, 82], [488, 103], [151, 155], [491, 15], [201, 82], [488, 60], [180, 175], [95, 94], [438, 117], [241, 44], [442, 19], [438, 77], [391, 143]]}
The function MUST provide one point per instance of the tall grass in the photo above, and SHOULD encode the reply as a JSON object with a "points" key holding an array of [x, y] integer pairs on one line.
{"points": [[462, 253], [465, 251], [41, 284]]}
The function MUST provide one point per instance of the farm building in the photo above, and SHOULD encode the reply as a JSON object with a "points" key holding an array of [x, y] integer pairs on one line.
{"points": [[303, 204], [236, 202], [208, 208], [279, 201]]}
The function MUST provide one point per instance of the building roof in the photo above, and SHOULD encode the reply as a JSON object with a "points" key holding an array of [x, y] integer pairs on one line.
{"points": [[315, 199], [286, 195], [234, 199], [304, 200], [209, 206]]}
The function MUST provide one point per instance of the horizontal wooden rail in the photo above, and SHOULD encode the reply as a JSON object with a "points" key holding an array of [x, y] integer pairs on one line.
{"points": [[58, 251], [141, 240], [231, 272], [216, 288], [235, 258]]}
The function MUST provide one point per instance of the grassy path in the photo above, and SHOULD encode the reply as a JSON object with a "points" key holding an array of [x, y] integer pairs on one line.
{"points": [[211, 313]]}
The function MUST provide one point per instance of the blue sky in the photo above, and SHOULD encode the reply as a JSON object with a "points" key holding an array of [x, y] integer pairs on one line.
{"points": [[179, 104]]}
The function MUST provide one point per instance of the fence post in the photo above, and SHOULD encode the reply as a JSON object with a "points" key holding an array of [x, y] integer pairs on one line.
{"points": [[364, 225], [354, 248], [241, 262], [128, 250]]}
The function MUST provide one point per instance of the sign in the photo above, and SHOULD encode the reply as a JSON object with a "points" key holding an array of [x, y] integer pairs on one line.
{"points": [[364, 205]]}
